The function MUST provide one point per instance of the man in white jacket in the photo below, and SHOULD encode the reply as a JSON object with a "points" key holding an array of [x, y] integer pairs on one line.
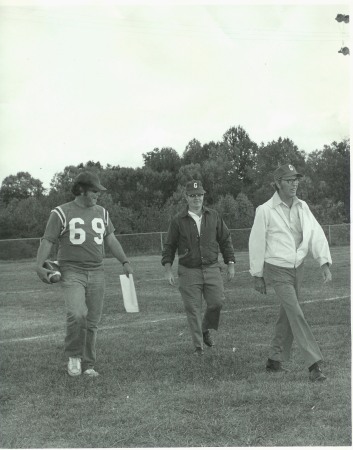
{"points": [[283, 233]]}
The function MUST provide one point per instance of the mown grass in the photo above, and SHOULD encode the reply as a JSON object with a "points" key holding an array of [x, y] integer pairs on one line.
{"points": [[153, 392]]}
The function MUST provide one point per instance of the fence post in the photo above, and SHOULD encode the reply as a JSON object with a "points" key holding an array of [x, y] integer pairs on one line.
{"points": [[329, 234], [161, 241]]}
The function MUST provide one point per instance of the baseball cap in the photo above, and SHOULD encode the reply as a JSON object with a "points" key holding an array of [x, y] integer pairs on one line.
{"points": [[286, 171], [89, 179], [194, 187]]}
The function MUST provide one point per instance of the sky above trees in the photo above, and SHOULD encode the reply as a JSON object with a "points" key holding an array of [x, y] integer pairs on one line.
{"points": [[112, 82]]}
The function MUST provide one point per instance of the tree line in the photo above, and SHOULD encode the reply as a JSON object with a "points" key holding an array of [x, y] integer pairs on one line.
{"points": [[236, 173]]}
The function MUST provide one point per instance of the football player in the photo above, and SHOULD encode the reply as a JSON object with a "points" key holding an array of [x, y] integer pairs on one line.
{"points": [[82, 229]]}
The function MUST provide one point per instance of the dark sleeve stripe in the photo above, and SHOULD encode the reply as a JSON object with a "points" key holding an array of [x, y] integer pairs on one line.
{"points": [[106, 217], [62, 217], [106, 220]]}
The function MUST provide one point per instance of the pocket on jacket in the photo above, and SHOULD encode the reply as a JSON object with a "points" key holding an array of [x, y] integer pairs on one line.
{"points": [[184, 255]]}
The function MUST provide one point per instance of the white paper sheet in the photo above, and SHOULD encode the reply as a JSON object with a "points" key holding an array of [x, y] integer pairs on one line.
{"points": [[129, 293]]}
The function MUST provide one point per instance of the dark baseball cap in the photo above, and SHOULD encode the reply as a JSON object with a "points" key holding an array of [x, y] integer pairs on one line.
{"points": [[286, 171], [89, 179], [194, 187]]}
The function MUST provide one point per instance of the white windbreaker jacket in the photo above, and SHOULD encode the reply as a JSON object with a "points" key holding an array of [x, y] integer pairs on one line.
{"points": [[272, 241]]}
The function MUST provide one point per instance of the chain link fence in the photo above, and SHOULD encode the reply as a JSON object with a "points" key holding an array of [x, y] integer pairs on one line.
{"points": [[152, 243]]}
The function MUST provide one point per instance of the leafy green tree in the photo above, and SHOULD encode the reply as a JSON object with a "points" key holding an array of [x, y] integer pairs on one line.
{"points": [[241, 152], [123, 218], [62, 181], [328, 212], [217, 180], [189, 172], [154, 188], [226, 207], [20, 186], [23, 218], [276, 153], [269, 157], [330, 173], [174, 204], [151, 219], [236, 174], [244, 211], [237, 213], [135, 188], [7, 229], [164, 159], [91, 166], [121, 183], [218, 175], [195, 153]]}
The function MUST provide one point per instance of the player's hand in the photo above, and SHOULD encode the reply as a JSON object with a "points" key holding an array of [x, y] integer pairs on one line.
{"points": [[260, 285], [43, 274], [230, 271], [169, 277], [326, 273], [128, 269]]}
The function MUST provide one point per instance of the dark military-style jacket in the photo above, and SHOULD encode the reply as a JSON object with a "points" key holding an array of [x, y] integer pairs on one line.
{"points": [[194, 250]]}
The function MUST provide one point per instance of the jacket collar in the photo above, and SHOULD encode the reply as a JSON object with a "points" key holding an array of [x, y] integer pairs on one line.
{"points": [[276, 200], [185, 211]]}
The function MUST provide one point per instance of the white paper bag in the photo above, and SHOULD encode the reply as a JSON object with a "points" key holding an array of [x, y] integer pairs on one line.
{"points": [[129, 293]]}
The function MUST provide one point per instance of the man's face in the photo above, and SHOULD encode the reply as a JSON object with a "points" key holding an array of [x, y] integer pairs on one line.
{"points": [[195, 201], [288, 187], [92, 197]]}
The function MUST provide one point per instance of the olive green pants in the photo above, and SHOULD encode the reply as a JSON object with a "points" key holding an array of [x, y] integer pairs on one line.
{"points": [[194, 285], [291, 324]]}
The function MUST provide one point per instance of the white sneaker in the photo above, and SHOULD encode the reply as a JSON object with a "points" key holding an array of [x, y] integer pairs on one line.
{"points": [[74, 367], [91, 373]]}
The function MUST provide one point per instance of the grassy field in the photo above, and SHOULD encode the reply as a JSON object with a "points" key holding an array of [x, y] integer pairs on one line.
{"points": [[153, 392]]}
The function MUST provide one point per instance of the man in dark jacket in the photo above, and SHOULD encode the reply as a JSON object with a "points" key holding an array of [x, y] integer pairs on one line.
{"points": [[198, 233]]}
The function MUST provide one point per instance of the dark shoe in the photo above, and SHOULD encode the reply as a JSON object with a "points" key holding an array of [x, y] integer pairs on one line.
{"points": [[198, 351], [208, 339], [316, 374], [275, 366]]}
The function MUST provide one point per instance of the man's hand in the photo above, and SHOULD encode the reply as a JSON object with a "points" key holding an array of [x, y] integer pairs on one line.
{"points": [[43, 253], [326, 273], [43, 274], [169, 274], [170, 277], [230, 271], [260, 285], [128, 269]]}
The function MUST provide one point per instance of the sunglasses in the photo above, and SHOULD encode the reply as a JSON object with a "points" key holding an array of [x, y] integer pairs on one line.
{"points": [[195, 195], [292, 180]]}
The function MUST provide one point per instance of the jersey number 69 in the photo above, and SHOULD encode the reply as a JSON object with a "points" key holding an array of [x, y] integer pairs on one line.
{"points": [[78, 235]]}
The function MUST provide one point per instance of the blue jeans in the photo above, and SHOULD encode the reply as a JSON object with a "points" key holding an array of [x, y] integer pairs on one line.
{"points": [[84, 293], [194, 284]]}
